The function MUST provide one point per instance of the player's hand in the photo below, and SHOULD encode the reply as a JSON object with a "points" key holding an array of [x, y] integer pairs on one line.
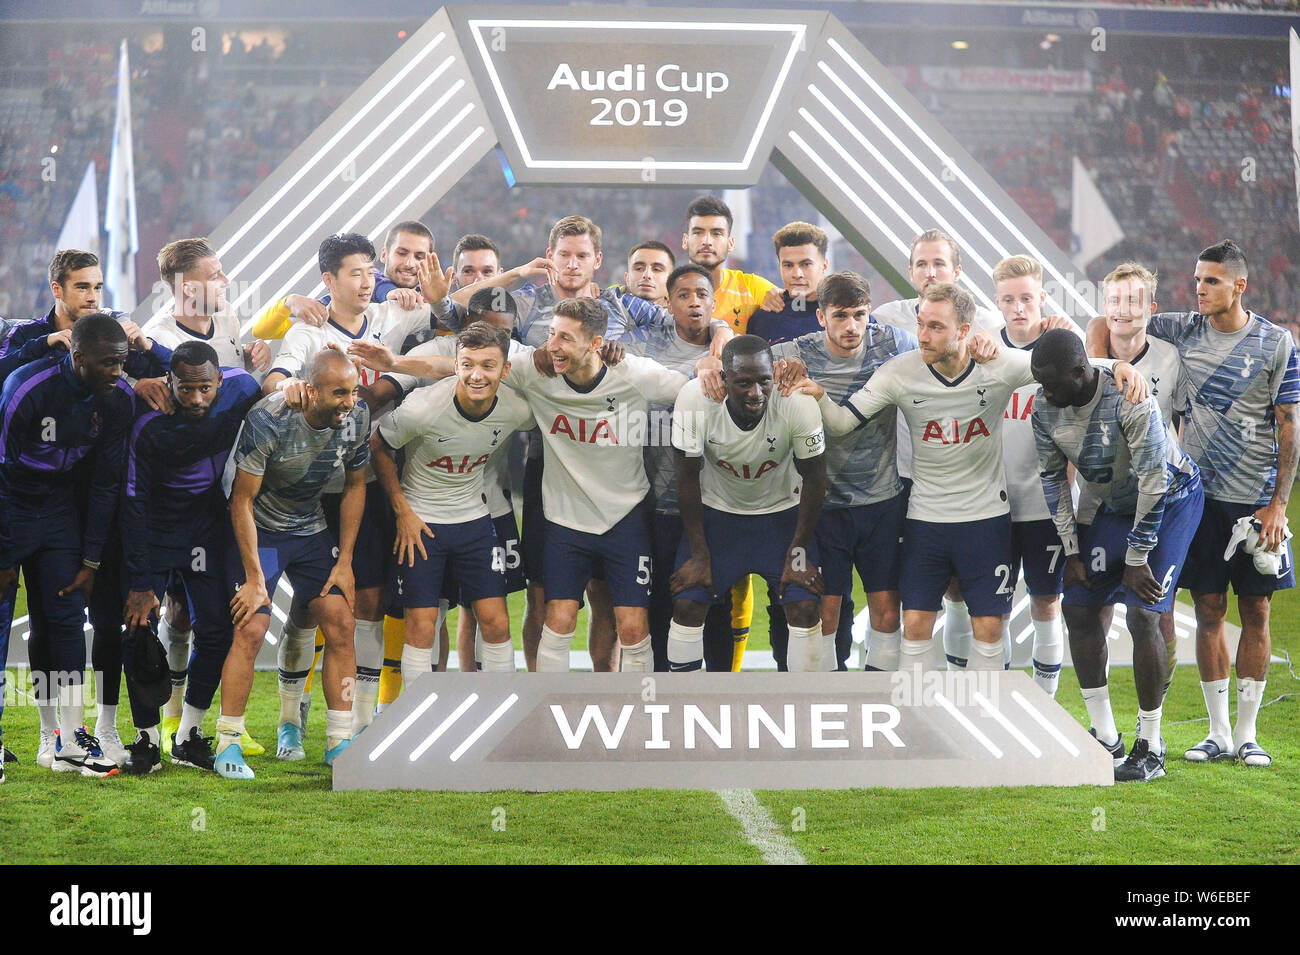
{"points": [[406, 298], [411, 532], [1058, 321], [434, 282], [773, 301], [341, 577], [8, 578], [799, 572], [709, 372], [84, 581], [295, 393], [611, 353], [1130, 381], [787, 373], [592, 290], [1139, 580], [249, 598], [374, 355], [259, 353], [156, 394], [308, 310], [1075, 573], [140, 606], [808, 387], [983, 346], [696, 572], [61, 339], [135, 339], [540, 267], [543, 362], [1272, 521]]}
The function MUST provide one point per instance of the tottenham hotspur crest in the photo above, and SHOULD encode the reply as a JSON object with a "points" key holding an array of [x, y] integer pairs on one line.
{"points": [[771, 442], [496, 436], [609, 402], [983, 401]]}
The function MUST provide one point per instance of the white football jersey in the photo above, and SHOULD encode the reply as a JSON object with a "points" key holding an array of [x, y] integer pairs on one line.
{"points": [[496, 483], [594, 437], [955, 428], [447, 452], [384, 322], [901, 313], [748, 472], [1162, 366], [1019, 453], [224, 338]]}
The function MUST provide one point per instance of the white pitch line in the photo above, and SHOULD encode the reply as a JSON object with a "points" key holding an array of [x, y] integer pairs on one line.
{"points": [[760, 828]]}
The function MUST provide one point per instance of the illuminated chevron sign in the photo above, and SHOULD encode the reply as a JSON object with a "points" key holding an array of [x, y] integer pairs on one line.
{"points": [[548, 731]]}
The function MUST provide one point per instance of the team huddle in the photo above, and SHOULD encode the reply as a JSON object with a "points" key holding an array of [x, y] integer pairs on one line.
{"points": [[683, 431]]}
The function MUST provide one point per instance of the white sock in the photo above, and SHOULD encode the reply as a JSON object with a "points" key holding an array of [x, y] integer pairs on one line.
{"points": [[553, 651], [957, 633], [1006, 642], [637, 657], [1216, 704], [49, 715], [150, 733], [1149, 727], [230, 730], [296, 652], [1097, 700], [416, 662], [338, 727], [1049, 651], [498, 657], [883, 649], [444, 607], [70, 706], [914, 653], [191, 718], [685, 646], [986, 656], [369, 641], [177, 645], [107, 718], [806, 652], [1250, 694], [478, 648]]}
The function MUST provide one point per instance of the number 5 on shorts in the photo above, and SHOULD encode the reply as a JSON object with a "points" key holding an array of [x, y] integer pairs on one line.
{"points": [[643, 570]]}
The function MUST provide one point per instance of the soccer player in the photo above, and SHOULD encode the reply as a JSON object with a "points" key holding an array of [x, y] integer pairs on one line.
{"points": [[736, 296], [751, 475], [1019, 295], [475, 258], [284, 459], [595, 493], [861, 522], [958, 518], [59, 414], [648, 267], [452, 430], [192, 270], [1241, 388], [346, 269], [1135, 544], [180, 531], [801, 255], [933, 257], [1129, 302]]}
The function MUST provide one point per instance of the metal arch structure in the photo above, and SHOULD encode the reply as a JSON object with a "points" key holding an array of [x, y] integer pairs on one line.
{"points": [[632, 96]]}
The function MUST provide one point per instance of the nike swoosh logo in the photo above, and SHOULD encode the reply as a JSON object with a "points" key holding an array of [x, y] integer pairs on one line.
{"points": [[440, 440], [917, 401]]}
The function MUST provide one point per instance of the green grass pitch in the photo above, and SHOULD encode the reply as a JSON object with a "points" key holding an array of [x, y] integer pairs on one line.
{"points": [[1223, 813]]}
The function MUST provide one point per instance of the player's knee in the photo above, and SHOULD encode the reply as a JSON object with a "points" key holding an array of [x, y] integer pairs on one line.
{"points": [[884, 612], [336, 623], [1044, 608], [560, 618], [368, 604], [252, 632], [177, 614], [690, 613], [1210, 609], [803, 614], [954, 590]]}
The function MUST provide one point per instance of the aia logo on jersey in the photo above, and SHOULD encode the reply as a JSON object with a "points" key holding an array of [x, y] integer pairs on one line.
{"points": [[596, 432], [463, 466], [952, 432], [745, 473], [1017, 411]]}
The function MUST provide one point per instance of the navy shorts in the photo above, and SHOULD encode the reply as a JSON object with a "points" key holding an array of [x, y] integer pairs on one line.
{"points": [[508, 539], [469, 550], [743, 544], [372, 553], [1207, 572], [621, 555], [868, 537], [977, 553], [1104, 543], [1037, 549], [306, 560], [194, 572], [534, 522]]}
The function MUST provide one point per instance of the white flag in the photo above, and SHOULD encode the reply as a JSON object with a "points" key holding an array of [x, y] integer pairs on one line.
{"points": [[119, 221], [1295, 107], [1092, 226], [81, 227]]}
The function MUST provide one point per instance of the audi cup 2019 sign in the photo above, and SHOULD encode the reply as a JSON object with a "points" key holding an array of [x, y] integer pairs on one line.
{"points": [[548, 731]]}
